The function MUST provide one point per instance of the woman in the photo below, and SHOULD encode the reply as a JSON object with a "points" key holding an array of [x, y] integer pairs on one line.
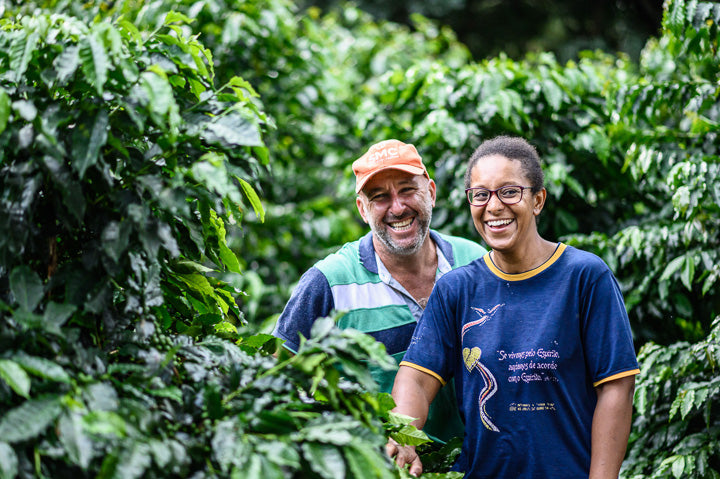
{"points": [[535, 334]]}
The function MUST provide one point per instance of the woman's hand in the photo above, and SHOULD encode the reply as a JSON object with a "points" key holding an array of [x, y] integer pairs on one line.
{"points": [[404, 455]]}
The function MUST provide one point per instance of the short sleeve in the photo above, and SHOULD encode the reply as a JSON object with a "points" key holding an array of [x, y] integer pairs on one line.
{"points": [[311, 299], [607, 337], [433, 345]]}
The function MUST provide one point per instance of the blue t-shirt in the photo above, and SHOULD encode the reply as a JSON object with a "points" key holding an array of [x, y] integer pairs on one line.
{"points": [[526, 351]]}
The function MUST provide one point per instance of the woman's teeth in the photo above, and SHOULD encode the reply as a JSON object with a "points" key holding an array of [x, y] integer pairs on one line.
{"points": [[496, 223]]}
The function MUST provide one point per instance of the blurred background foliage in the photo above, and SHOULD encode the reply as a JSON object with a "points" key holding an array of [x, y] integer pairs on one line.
{"points": [[517, 27], [627, 130]]}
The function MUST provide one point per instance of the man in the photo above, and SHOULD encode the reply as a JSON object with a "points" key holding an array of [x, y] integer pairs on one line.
{"points": [[383, 280]]}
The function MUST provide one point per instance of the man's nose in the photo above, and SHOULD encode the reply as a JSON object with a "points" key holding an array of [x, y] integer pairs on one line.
{"points": [[397, 204]]}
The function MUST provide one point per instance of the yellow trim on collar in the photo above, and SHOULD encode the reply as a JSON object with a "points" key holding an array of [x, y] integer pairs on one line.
{"points": [[527, 274]]}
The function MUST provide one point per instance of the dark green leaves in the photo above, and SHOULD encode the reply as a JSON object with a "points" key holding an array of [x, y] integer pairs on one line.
{"points": [[26, 287], [88, 138]]}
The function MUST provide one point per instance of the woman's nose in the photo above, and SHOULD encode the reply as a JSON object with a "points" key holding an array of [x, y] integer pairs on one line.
{"points": [[494, 202]]}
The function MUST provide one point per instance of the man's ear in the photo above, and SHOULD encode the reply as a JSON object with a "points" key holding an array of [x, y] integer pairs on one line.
{"points": [[539, 201], [433, 191], [360, 202]]}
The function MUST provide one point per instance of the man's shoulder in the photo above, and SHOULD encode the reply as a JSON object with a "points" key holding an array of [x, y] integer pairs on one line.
{"points": [[343, 265], [464, 250]]}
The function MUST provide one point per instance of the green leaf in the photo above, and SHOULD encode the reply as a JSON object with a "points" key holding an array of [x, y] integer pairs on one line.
{"points": [[364, 461], [105, 423], [66, 63], [688, 272], [198, 283], [130, 31], [56, 314], [280, 453], [42, 367], [29, 419], [411, 436], [95, 62], [641, 400], [186, 266], [21, 51], [170, 392], [672, 267], [15, 377], [26, 287], [229, 258], [4, 109], [233, 130], [76, 443], [336, 432], [325, 460], [87, 142], [133, 462], [9, 462], [174, 16], [678, 467], [160, 94], [553, 94], [115, 238], [254, 199], [687, 403]]}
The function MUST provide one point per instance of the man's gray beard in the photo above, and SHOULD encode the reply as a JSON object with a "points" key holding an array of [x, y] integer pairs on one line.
{"points": [[386, 239]]}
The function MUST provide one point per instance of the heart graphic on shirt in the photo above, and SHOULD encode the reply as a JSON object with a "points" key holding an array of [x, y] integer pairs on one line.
{"points": [[471, 357]]}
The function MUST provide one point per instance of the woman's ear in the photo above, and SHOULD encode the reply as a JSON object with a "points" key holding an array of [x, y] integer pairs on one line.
{"points": [[539, 201]]}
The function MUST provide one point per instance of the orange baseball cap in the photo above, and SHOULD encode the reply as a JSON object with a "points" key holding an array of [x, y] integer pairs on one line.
{"points": [[387, 155]]}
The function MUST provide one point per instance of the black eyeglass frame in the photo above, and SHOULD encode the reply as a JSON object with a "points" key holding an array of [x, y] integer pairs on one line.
{"points": [[522, 190]]}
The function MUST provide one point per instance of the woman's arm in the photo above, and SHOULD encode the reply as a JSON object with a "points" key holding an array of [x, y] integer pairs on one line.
{"points": [[413, 392], [611, 427]]}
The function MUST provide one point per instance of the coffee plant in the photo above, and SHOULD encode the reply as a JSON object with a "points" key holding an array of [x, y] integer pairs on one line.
{"points": [[123, 352]]}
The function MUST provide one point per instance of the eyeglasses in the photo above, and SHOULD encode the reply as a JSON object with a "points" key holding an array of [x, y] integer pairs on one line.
{"points": [[508, 195]]}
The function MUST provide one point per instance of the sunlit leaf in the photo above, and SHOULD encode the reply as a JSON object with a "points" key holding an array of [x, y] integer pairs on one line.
{"points": [[254, 199], [29, 419], [9, 463], [42, 367], [21, 51], [95, 61], [66, 63], [4, 109], [15, 377]]}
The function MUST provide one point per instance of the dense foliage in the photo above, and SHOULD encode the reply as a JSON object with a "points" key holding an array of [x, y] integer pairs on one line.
{"points": [[139, 270], [122, 166]]}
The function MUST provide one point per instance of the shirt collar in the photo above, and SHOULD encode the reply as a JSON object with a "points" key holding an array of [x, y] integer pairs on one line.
{"points": [[366, 251]]}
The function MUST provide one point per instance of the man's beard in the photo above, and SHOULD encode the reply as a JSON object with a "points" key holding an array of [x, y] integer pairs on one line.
{"points": [[386, 239]]}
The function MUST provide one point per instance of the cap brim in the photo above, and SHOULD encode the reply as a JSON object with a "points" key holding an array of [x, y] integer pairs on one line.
{"points": [[407, 168]]}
